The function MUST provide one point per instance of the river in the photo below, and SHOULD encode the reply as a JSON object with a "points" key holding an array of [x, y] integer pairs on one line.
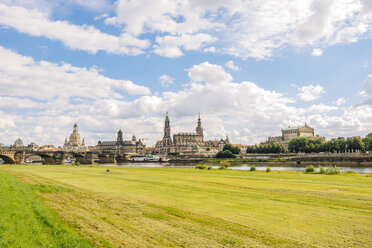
{"points": [[236, 166], [242, 166]]}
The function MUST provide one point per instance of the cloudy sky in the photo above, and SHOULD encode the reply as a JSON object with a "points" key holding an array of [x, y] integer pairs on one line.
{"points": [[250, 67]]}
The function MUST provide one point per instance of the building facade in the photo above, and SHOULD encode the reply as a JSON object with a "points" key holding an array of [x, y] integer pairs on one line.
{"points": [[74, 142], [121, 146], [293, 132], [187, 143]]}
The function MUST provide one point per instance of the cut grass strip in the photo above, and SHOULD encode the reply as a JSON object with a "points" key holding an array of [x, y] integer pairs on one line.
{"points": [[26, 222]]}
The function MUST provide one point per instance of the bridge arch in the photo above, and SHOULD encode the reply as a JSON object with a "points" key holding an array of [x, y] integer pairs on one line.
{"points": [[7, 159]]}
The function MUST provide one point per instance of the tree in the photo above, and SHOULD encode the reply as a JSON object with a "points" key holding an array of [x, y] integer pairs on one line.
{"points": [[355, 144], [225, 154], [341, 144], [368, 142], [231, 148], [298, 144]]}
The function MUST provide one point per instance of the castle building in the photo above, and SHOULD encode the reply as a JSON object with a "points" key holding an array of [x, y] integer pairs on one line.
{"points": [[74, 142], [121, 146], [293, 132], [187, 143]]}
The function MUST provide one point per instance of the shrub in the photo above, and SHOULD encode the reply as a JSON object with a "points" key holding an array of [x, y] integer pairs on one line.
{"points": [[322, 170], [253, 168], [268, 169], [332, 170], [350, 172], [210, 168], [201, 167], [309, 169], [224, 165]]}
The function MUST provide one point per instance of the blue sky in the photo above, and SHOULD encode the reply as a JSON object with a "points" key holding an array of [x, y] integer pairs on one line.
{"points": [[251, 69]]}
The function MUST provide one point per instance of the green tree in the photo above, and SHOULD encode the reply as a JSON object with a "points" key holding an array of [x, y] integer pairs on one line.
{"points": [[225, 154], [368, 142], [231, 148], [298, 144]]}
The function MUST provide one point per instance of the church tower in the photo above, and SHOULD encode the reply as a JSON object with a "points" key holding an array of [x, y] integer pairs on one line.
{"points": [[199, 128], [167, 141], [120, 137], [74, 140]]}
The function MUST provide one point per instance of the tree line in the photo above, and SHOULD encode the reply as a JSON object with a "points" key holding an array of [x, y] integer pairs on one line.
{"points": [[307, 145], [339, 145], [266, 148]]}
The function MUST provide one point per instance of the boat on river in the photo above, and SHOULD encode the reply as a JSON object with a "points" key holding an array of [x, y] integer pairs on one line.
{"points": [[146, 158]]}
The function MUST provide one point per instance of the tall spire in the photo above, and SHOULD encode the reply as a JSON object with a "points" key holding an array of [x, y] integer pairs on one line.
{"points": [[199, 128], [167, 136], [120, 137]]}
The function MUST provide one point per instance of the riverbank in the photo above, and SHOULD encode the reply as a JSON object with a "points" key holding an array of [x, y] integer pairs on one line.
{"points": [[162, 207]]}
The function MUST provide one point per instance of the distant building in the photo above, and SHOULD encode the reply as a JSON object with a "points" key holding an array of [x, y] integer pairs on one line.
{"points": [[48, 148], [18, 142], [73, 143], [121, 146], [188, 144], [293, 132]]}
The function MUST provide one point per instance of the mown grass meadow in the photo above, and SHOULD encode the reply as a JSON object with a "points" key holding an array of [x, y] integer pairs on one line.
{"points": [[170, 207]]}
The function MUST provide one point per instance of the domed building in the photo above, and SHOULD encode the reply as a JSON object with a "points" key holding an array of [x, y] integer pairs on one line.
{"points": [[18, 142], [74, 142]]}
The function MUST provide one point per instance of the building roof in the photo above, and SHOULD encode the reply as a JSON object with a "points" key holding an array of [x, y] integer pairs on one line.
{"points": [[108, 143], [186, 134], [295, 127], [18, 142]]}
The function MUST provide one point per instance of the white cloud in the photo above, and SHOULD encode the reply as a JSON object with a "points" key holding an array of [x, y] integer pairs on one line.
{"points": [[22, 76], [170, 46], [321, 108], [211, 49], [245, 29], [230, 64], [210, 73], [340, 101], [244, 110], [6, 121], [166, 80], [317, 52], [87, 38], [310, 92]]}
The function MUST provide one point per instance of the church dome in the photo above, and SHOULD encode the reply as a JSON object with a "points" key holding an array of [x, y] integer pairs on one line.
{"points": [[18, 142]]}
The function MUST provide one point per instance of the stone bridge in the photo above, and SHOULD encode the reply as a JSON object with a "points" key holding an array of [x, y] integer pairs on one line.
{"points": [[59, 157]]}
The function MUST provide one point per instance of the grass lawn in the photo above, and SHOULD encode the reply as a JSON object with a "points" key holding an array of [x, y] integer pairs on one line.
{"points": [[155, 207], [26, 222]]}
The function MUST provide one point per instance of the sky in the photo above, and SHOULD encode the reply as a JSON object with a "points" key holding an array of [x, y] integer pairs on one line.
{"points": [[249, 67]]}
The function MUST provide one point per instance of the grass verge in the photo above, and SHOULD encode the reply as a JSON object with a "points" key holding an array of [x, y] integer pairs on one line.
{"points": [[26, 222]]}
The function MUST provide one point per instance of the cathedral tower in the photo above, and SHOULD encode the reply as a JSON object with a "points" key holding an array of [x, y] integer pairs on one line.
{"points": [[199, 128], [120, 137], [74, 139], [167, 137]]}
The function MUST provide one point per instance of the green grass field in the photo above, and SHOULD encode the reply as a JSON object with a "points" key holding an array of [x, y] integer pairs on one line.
{"points": [[166, 207]]}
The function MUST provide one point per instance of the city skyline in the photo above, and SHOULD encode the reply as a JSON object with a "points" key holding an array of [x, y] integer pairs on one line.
{"points": [[99, 66]]}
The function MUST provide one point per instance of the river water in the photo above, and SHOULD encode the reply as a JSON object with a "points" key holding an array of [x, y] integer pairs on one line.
{"points": [[241, 166], [259, 167]]}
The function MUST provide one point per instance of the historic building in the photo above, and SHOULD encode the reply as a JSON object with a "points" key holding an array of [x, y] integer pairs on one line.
{"points": [[74, 142], [187, 143], [121, 146], [293, 132]]}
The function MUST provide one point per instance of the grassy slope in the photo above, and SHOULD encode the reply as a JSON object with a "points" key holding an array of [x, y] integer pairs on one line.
{"points": [[26, 222], [187, 207]]}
